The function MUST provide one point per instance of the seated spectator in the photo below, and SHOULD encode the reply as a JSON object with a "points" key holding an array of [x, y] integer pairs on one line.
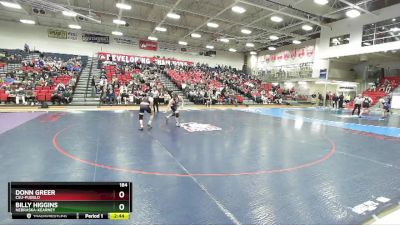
{"points": [[30, 96], [60, 87], [67, 96], [123, 93], [56, 97], [110, 96], [9, 80], [20, 95]]}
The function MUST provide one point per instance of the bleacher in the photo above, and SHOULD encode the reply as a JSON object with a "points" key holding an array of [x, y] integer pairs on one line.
{"points": [[135, 81], [41, 93], [378, 94]]}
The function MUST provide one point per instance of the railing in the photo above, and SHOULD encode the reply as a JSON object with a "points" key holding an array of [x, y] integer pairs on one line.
{"points": [[88, 80], [284, 76]]}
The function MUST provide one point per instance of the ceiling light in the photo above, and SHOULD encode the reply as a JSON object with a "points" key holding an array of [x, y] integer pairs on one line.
{"points": [[212, 25], [296, 42], [246, 31], [151, 38], [225, 40], [238, 9], [209, 46], [173, 16], [195, 35], [353, 13], [69, 13], [74, 26], [182, 42], [118, 33], [366, 43], [273, 37], [276, 19], [162, 29], [395, 29], [394, 19], [321, 2], [232, 50], [119, 22], [11, 5], [27, 21], [123, 6], [253, 53], [271, 48], [307, 27], [250, 45]]}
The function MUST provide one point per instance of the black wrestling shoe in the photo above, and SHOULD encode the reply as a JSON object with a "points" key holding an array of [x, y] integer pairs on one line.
{"points": [[141, 129]]}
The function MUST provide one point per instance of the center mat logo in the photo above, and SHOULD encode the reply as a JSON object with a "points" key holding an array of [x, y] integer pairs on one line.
{"points": [[199, 127]]}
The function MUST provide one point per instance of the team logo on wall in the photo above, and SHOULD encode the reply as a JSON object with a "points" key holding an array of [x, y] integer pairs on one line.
{"points": [[199, 127], [148, 45]]}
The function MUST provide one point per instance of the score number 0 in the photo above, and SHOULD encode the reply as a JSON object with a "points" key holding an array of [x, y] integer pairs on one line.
{"points": [[121, 195]]}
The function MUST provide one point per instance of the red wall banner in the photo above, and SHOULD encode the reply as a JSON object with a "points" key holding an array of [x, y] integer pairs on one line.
{"points": [[148, 45], [288, 55], [104, 56]]}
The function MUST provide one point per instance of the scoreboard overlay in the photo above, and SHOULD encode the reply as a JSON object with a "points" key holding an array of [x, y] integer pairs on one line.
{"points": [[70, 200]]}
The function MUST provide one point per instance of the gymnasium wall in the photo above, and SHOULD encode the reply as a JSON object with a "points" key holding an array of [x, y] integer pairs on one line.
{"points": [[341, 71], [354, 26], [310, 87], [15, 35], [391, 67]]}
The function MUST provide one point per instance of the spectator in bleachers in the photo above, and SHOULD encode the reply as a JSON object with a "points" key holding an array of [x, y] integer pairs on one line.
{"points": [[20, 95], [67, 96], [124, 94], [60, 87], [111, 95], [9, 80], [30, 96], [103, 83], [56, 97]]}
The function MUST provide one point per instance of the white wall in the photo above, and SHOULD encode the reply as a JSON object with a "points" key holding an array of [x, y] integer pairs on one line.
{"points": [[392, 67], [354, 26], [319, 63], [341, 71], [15, 35]]}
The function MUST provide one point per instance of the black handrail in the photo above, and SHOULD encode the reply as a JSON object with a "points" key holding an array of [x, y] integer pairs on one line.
{"points": [[88, 80]]}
